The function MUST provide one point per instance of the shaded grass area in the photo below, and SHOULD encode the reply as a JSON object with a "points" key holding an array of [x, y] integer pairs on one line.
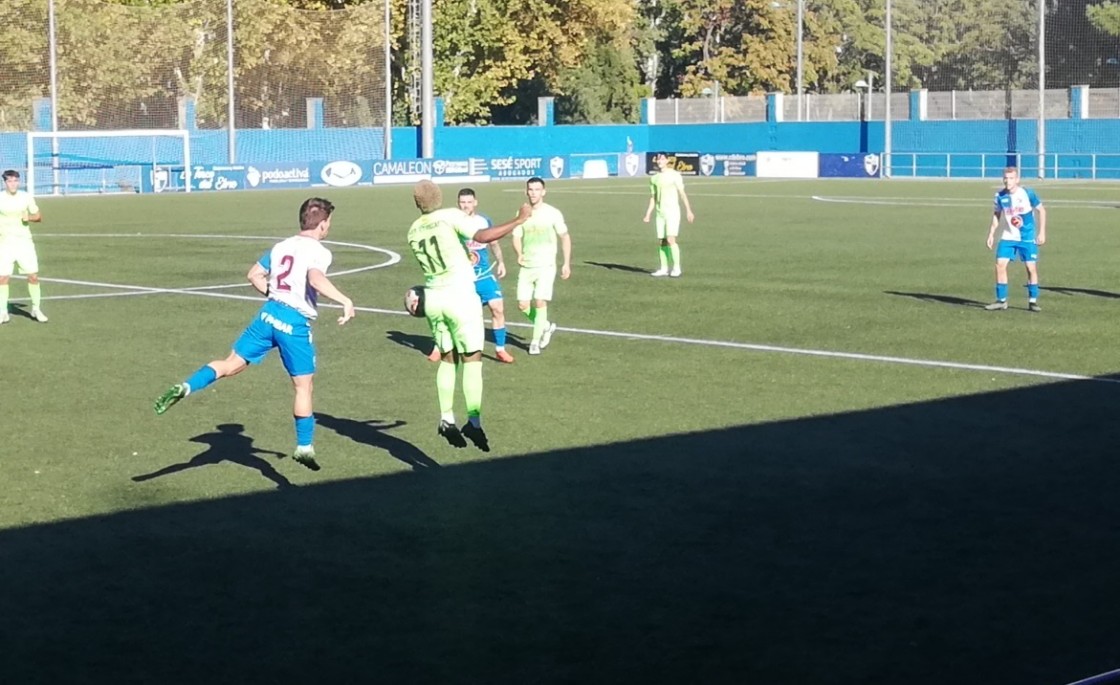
{"points": [[653, 510], [945, 541]]}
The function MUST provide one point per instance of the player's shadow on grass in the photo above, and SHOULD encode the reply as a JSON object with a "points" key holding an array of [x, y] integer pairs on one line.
{"points": [[618, 267], [512, 339], [857, 547], [230, 444], [20, 309], [941, 299], [424, 344], [420, 343], [1062, 290], [375, 433]]}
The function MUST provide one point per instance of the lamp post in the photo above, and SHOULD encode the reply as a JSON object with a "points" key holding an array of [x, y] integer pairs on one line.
{"points": [[869, 86], [800, 57], [784, 4]]}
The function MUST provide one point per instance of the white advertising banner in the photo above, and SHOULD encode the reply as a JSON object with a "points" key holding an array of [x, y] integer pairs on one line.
{"points": [[787, 165]]}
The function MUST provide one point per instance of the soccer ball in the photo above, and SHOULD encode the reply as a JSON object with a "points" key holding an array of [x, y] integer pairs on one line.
{"points": [[414, 300]]}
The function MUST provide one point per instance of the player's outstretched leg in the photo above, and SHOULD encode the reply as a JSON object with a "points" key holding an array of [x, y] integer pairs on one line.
{"points": [[451, 434], [169, 398]]}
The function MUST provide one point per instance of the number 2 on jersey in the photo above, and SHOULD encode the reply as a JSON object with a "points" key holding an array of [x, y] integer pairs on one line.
{"points": [[287, 262]]}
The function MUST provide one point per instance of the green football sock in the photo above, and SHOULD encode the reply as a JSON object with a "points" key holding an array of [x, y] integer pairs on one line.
{"points": [[531, 313], [540, 324], [675, 253], [445, 387], [663, 255], [3, 298], [36, 292], [472, 387]]}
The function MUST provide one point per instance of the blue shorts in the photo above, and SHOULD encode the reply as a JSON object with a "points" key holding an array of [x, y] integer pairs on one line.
{"points": [[1024, 250], [488, 289], [280, 326]]}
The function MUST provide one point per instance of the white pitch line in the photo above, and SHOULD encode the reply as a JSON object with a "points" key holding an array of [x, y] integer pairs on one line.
{"points": [[855, 356], [896, 202], [955, 202], [845, 355]]}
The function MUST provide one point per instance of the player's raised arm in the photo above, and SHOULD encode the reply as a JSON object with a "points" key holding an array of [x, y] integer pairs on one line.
{"points": [[321, 283], [489, 235]]}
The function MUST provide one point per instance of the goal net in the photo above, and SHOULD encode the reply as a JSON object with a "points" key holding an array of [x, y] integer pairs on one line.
{"points": [[83, 162]]}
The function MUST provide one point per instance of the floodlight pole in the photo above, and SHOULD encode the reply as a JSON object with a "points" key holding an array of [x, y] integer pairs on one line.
{"points": [[800, 57], [428, 117], [232, 126], [1041, 128], [53, 40], [388, 144], [887, 143]]}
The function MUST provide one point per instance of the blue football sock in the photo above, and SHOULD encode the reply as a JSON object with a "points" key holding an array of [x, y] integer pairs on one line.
{"points": [[305, 430], [500, 337], [1001, 291], [1032, 291], [202, 378]]}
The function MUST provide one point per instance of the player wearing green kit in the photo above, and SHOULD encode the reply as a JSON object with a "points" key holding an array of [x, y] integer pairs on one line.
{"points": [[665, 187], [438, 240], [17, 210], [535, 244]]}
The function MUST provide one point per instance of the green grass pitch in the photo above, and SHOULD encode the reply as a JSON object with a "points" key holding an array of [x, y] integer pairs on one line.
{"points": [[812, 459]]}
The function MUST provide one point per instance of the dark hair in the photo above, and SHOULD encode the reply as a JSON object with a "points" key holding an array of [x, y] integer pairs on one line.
{"points": [[466, 192], [312, 211], [427, 196], [11, 173], [535, 179]]}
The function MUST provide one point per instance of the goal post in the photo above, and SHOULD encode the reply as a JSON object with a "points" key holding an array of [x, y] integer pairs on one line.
{"points": [[97, 162]]}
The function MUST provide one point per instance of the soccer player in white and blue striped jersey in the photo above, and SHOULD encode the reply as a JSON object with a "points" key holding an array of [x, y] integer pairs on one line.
{"points": [[290, 275], [1015, 210]]}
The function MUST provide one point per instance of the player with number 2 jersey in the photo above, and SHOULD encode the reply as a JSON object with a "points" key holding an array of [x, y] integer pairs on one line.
{"points": [[290, 275]]}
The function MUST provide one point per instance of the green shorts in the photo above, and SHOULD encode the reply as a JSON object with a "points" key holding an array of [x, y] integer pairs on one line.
{"points": [[535, 283], [668, 225], [455, 317]]}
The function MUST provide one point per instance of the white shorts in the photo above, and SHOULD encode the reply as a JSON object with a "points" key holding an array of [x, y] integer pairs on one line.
{"points": [[535, 283], [18, 252], [668, 226]]}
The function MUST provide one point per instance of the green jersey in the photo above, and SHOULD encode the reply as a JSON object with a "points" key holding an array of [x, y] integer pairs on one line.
{"points": [[438, 240], [666, 188], [14, 210], [539, 236]]}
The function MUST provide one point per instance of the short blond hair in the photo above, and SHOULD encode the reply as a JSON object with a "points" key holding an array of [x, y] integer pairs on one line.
{"points": [[1011, 170], [427, 195]]}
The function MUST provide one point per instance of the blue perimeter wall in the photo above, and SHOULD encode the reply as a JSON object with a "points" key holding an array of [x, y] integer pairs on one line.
{"points": [[1063, 136]]}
